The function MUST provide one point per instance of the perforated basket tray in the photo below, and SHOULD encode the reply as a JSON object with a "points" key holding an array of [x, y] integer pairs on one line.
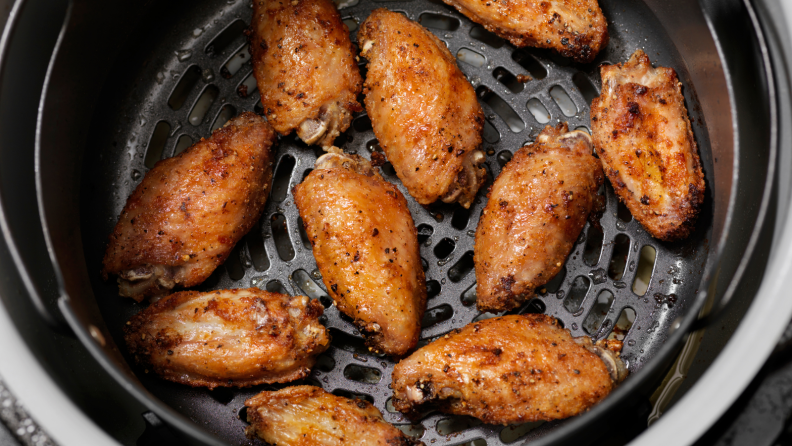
{"points": [[200, 76]]}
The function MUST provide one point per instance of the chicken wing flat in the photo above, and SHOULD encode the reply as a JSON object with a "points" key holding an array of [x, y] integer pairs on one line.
{"points": [[574, 28], [537, 207], [308, 416], [228, 338], [643, 136], [366, 247], [423, 110], [184, 218], [511, 369], [305, 68]]}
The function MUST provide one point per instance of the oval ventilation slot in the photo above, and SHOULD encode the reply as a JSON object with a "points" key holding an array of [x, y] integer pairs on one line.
{"points": [[433, 288], [555, 283], [438, 21], [424, 232], [471, 57], [618, 261], [591, 253], [247, 87], [233, 264], [586, 87], [184, 143], [351, 23], [623, 213], [203, 105], [539, 111], [643, 275], [577, 293], [229, 35], [444, 248], [235, 63], [226, 113], [505, 77], [479, 33], [255, 245], [510, 434], [623, 324], [185, 86], [280, 234], [504, 157], [469, 296], [311, 289], [457, 424], [491, 134], [157, 143], [534, 67], [436, 315], [347, 342], [460, 218], [362, 123], [280, 184], [362, 374], [353, 395], [461, 268], [503, 109], [275, 286], [596, 318], [562, 99], [304, 235]]}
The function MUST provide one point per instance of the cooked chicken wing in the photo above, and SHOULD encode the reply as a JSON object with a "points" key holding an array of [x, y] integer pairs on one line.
{"points": [[423, 110], [228, 338], [366, 247], [643, 136], [536, 210], [309, 416], [511, 369], [184, 218], [574, 28], [305, 68]]}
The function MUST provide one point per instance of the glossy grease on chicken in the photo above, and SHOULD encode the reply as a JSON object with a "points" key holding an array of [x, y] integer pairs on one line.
{"points": [[305, 68], [511, 369], [227, 338], [366, 247], [643, 136], [423, 110], [537, 208], [184, 218], [308, 416], [574, 28]]}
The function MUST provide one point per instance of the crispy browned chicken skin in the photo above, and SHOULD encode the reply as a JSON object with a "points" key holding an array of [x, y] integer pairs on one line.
{"points": [[643, 136], [184, 218], [305, 68], [574, 28], [424, 111], [537, 207], [511, 369], [309, 416], [366, 247], [228, 338]]}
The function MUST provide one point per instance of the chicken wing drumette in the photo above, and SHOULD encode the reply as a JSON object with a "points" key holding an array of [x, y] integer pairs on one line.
{"points": [[366, 247], [424, 111], [511, 369], [537, 207], [643, 136], [184, 218], [228, 338], [308, 416], [305, 68], [574, 28]]}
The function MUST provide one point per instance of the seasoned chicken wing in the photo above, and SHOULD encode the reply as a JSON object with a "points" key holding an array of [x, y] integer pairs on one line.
{"points": [[228, 338], [574, 28], [643, 136], [309, 416], [536, 210], [305, 68], [184, 218], [511, 369], [423, 110], [366, 247]]}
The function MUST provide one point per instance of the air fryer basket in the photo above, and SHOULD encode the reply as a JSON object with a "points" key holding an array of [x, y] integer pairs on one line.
{"points": [[184, 70]]}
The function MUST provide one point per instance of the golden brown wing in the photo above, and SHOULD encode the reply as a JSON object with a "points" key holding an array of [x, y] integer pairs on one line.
{"points": [[184, 218], [309, 416], [228, 338], [305, 68], [366, 247], [574, 28], [643, 136], [537, 207], [423, 110], [511, 369]]}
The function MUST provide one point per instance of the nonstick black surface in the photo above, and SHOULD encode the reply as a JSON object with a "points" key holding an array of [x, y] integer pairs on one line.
{"points": [[154, 77]]}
